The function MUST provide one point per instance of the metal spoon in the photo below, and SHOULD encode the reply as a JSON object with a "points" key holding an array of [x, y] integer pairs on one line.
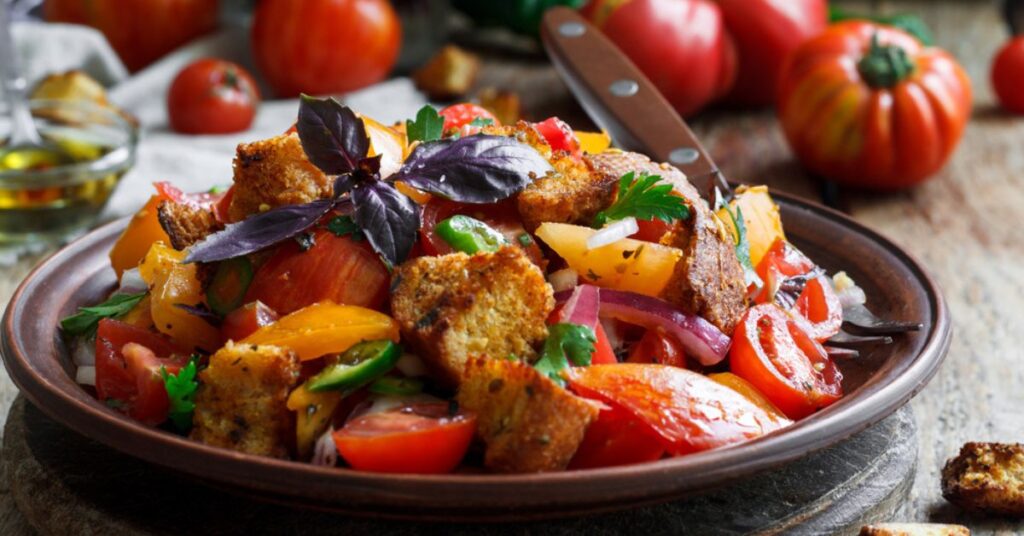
{"points": [[24, 141]]}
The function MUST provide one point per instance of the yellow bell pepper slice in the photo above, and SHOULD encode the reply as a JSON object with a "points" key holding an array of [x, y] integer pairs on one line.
{"points": [[143, 230], [760, 216], [594, 142], [313, 413], [626, 264], [325, 328], [173, 283]]}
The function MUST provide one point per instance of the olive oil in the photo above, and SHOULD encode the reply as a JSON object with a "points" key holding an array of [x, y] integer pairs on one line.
{"points": [[52, 191]]}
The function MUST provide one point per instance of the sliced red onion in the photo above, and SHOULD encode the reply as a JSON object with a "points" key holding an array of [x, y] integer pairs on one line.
{"points": [[614, 334], [325, 453], [85, 375], [700, 339], [582, 307], [564, 279], [613, 232]]}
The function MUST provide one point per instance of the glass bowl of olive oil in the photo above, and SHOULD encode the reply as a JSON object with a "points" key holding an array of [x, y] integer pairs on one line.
{"points": [[52, 192]]}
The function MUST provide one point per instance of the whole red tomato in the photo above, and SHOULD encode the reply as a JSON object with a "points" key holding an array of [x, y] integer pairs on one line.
{"points": [[212, 97], [681, 45], [1008, 75], [869, 106], [324, 46], [140, 31], [765, 32]]}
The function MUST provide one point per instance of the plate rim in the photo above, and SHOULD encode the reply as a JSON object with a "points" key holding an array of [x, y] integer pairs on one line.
{"points": [[90, 418]]}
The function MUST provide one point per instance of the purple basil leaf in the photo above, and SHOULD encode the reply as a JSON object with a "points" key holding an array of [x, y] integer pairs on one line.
{"points": [[202, 311], [332, 136], [474, 169], [259, 231], [343, 184], [389, 219]]}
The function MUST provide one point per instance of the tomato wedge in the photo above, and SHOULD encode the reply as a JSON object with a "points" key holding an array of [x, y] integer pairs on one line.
{"points": [[423, 438], [245, 320], [616, 438], [656, 347], [325, 328], [335, 268], [688, 411], [817, 305], [126, 361], [559, 136], [771, 350]]}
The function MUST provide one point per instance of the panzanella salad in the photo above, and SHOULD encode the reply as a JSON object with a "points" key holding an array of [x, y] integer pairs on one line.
{"points": [[453, 292]]}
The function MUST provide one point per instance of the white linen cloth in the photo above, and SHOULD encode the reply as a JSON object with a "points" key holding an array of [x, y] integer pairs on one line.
{"points": [[193, 163]]}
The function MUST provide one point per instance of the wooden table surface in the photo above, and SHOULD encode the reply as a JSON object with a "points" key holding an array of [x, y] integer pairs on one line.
{"points": [[962, 225]]}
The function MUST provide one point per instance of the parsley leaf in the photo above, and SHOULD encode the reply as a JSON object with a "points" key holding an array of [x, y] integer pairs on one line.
{"points": [[565, 343], [181, 392], [644, 199], [743, 247], [428, 126], [84, 322], [345, 225]]}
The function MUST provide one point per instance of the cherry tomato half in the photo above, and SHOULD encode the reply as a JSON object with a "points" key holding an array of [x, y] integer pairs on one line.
{"points": [[418, 438], [772, 352], [461, 115], [655, 347], [212, 97], [817, 304]]}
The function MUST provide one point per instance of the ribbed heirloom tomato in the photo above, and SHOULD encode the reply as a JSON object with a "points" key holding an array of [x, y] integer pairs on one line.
{"points": [[324, 46], [869, 106]]}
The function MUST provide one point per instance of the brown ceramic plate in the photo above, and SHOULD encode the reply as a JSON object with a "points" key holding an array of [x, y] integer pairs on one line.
{"points": [[878, 383]]}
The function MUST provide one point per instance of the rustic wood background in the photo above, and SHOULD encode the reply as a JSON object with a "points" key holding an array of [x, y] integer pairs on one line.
{"points": [[962, 225]]}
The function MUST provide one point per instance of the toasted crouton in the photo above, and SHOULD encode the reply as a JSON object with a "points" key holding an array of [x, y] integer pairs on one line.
{"points": [[708, 281], [274, 172], [455, 306], [186, 224], [572, 193], [527, 422], [240, 403], [986, 477], [914, 529]]}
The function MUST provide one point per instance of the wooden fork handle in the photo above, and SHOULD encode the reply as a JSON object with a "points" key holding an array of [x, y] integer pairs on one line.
{"points": [[619, 98]]}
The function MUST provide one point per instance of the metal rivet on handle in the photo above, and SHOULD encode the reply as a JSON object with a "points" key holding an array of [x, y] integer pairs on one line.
{"points": [[683, 155], [624, 88], [572, 29]]}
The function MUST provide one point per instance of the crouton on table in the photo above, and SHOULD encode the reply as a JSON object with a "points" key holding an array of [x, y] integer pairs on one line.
{"points": [[241, 401], [455, 306], [986, 477], [708, 281], [527, 422], [274, 172]]}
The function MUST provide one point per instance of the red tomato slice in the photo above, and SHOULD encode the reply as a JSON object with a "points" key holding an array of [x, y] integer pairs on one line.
{"points": [[502, 216], [336, 268], [616, 438], [418, 438], [245, 320], [651, 230], [461, 115], [655, 347], [559, 135], [817, 304], [688, 411], [771, 351], [128, 381]]}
